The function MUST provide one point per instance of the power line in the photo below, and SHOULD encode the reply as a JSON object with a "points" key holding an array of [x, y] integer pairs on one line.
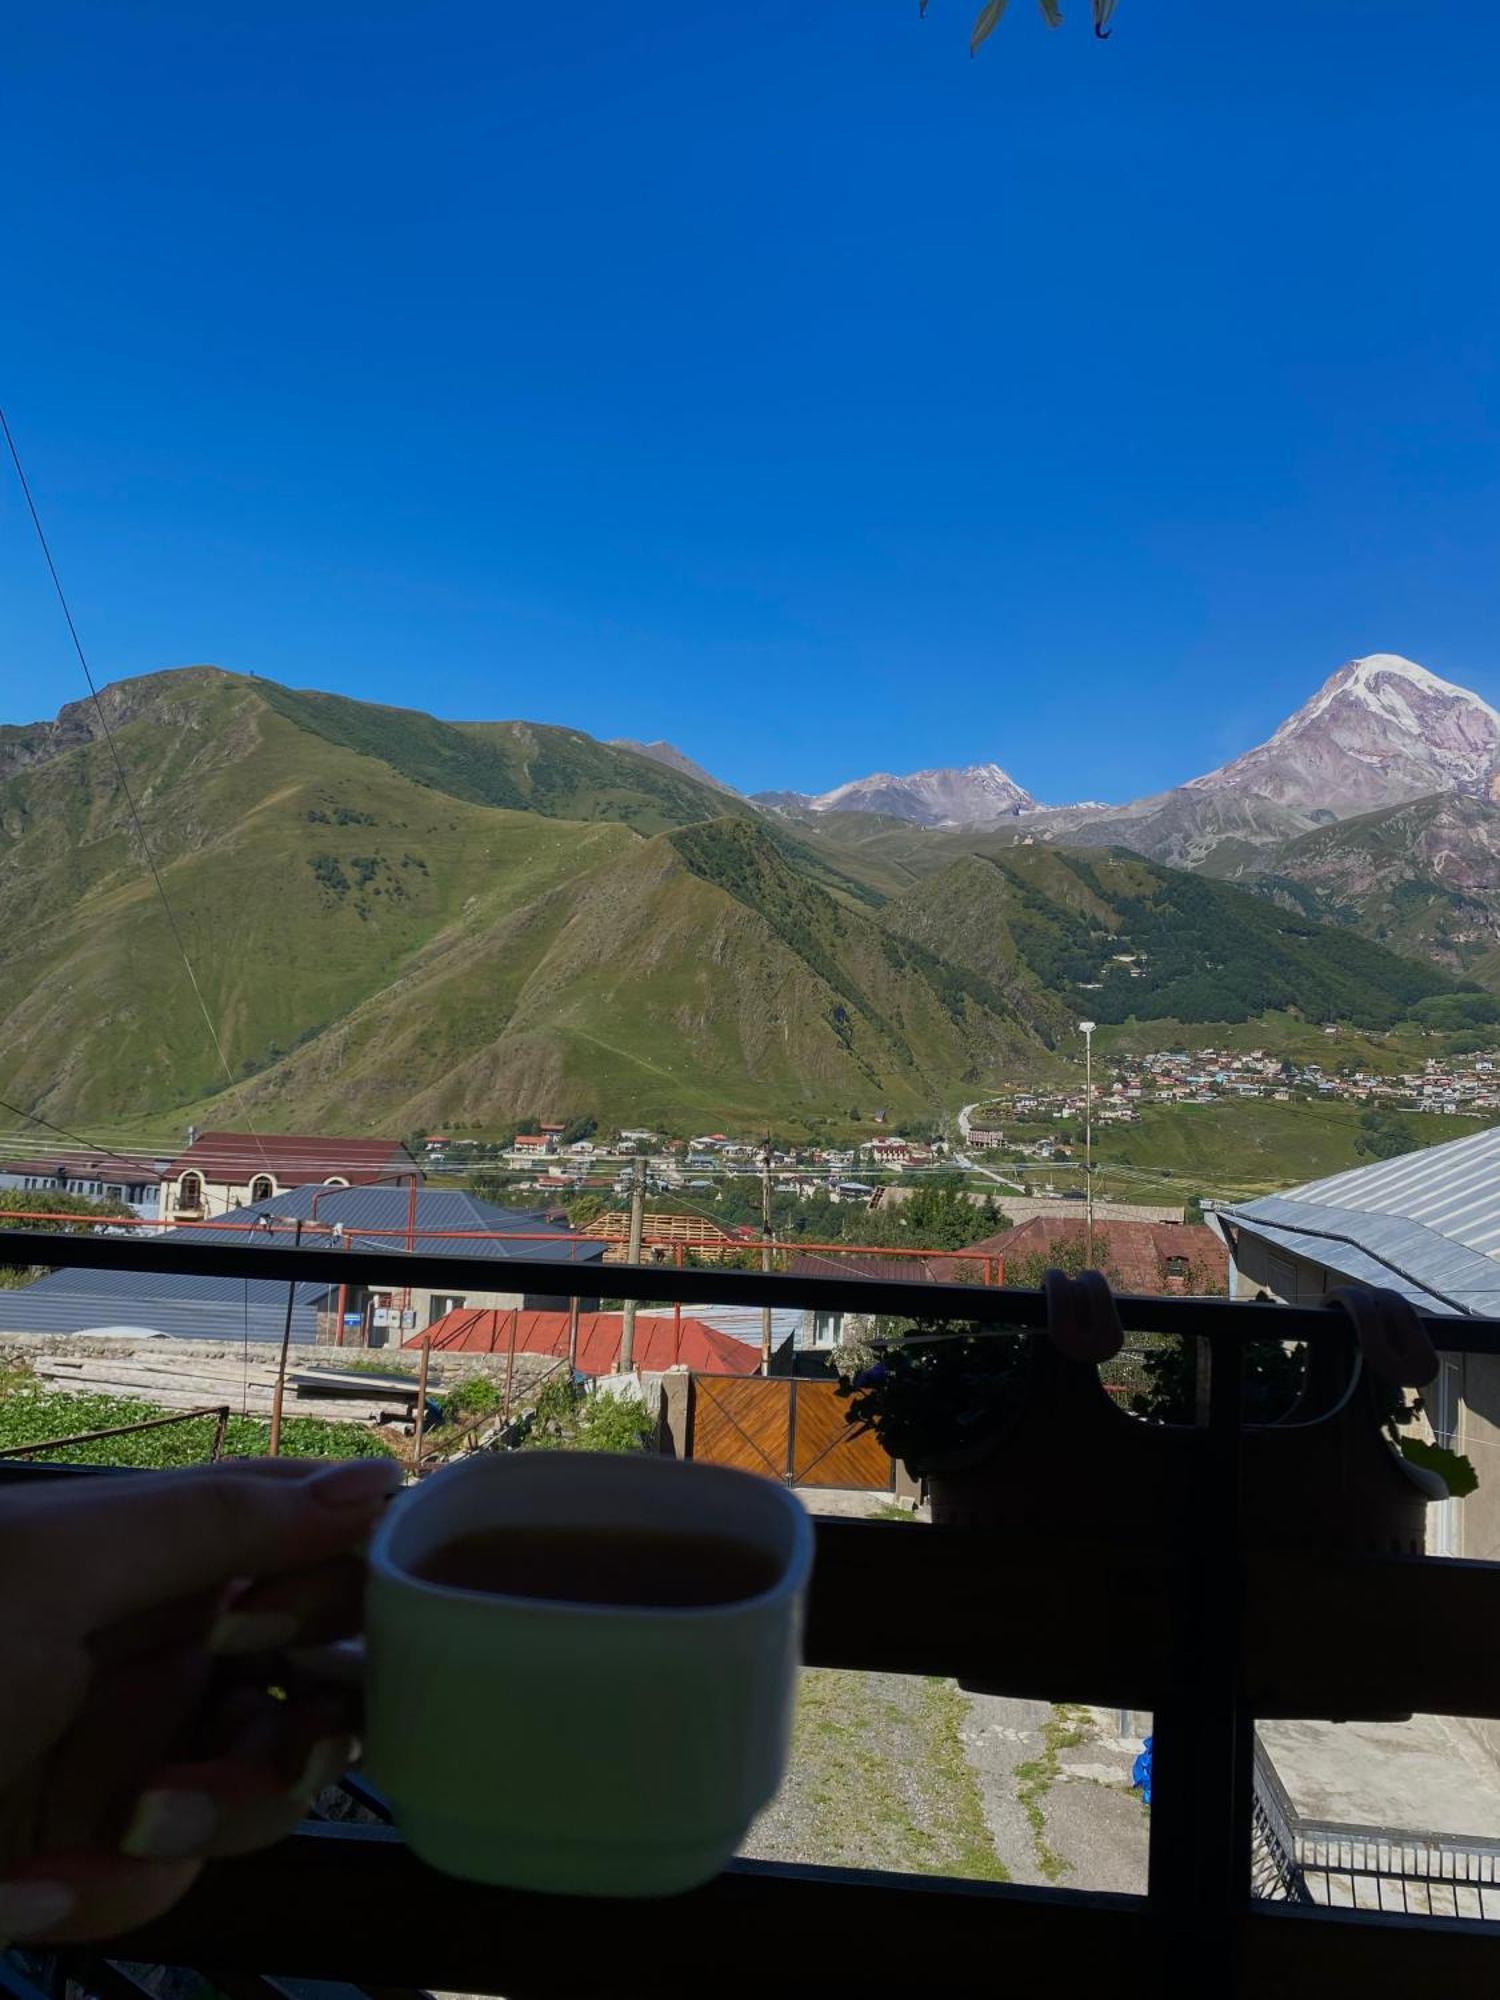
{"points": [[119, 764], [90, 1146]]}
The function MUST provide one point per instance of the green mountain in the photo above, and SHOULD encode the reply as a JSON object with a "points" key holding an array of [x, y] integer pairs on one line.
{"points": [[1118, 937], [396, 921]]}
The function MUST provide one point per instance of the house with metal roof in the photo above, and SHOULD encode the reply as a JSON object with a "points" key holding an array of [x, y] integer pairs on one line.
{"points": [[418, 1221], [224, 1171], [97, 1176], [1427, 1225]]}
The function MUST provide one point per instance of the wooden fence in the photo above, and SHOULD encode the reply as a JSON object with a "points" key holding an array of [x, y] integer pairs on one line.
{"points": [[788, 1429]]}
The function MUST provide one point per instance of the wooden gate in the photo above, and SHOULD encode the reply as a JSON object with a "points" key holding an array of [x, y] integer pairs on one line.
{"points": [[784, 1428]]}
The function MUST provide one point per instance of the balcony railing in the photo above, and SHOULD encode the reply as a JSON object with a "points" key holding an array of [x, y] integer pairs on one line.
{"points": [[1191, 1625]]}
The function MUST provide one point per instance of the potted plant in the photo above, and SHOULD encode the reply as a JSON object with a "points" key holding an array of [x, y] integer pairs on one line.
{"points": [[1009, 1432]]}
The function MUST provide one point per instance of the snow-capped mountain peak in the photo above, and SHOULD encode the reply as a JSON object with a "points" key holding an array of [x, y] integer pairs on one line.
{"points": [[1380, 730], [976, 795]]}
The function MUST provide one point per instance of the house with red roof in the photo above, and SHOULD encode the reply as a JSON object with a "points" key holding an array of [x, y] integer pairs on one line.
{"points": [[660, 1341], [221, 1171]]}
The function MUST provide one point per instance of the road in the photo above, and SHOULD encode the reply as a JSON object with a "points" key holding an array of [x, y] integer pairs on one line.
{"points": [[967, 1160]]}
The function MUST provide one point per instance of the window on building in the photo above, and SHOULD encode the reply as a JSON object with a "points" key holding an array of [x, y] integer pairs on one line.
{"points": [[1177, 1267], [261, 1188], [190, 1191]]}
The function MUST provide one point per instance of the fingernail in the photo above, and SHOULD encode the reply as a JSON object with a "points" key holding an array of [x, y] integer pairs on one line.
{"points": [[328, 1760], [170, 1825], [252, 1632], [356, 1482], [28, 1907]]}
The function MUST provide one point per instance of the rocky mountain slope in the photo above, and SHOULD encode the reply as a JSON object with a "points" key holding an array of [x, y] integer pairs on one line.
{"points": [[978, 795], [1423, 878], [674, 759]]}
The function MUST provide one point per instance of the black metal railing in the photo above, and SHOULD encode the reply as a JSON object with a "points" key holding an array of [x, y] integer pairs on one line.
{"points": [[1192, 1626]]}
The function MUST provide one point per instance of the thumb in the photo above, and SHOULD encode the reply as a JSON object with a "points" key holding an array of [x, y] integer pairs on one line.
{"points": [[105, 1549]]}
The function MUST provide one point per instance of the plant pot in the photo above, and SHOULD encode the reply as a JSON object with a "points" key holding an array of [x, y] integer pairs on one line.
{"points": [[1069, 1463]]}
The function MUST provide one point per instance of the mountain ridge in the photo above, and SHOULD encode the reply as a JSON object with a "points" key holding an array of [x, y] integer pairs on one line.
{"points": [[401, 922]]}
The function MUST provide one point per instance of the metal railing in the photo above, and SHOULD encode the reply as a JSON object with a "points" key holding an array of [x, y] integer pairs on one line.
{"points": [[1387, 1868], [1190, 1624]]}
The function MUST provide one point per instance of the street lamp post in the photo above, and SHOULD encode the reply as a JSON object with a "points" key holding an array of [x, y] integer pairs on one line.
{"points": [[1086, 1028]]}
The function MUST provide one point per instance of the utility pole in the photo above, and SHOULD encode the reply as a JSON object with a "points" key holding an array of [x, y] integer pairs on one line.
{"points": [[1087, 1030], [278, 1396], [633, 1256], [765, 1251]]}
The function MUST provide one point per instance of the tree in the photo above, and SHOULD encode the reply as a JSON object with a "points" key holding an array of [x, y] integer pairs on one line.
{"points": [[989, 15], [1384, 1135], [16, 1204], [940, 1216], [1067, 1253]]}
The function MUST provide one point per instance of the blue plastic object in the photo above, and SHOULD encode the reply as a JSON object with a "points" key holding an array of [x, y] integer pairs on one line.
{"points": [[1140, 1771]]}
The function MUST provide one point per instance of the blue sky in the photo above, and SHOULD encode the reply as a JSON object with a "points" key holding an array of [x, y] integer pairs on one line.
{"points": [[774, 379]]}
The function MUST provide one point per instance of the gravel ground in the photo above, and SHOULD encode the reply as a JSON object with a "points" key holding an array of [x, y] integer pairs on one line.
{"points": [[913, 1775], [879, 1779]]}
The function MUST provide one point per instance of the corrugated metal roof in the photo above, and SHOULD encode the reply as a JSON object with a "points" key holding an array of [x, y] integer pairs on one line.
{"points": [[234, 1309], [439, 1212], [237, 1156], [743, 1322], [180, 1304], [1426, 1223], [659, 1342]]}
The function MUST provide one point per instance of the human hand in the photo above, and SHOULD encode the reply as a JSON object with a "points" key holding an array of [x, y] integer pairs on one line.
{"points": [[139, 1623]]}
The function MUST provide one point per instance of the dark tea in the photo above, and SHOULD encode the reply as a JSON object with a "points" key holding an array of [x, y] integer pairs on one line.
{"points": [[603, 1566]]}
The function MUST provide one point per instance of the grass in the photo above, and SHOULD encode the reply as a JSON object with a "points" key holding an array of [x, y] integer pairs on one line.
{"points": [[1064, 1729], [879, 1778], [35, 1416], [1251, 1145]]}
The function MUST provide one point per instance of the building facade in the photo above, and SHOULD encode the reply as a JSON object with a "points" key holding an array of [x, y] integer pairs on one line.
{"points": [[224, 1171]]}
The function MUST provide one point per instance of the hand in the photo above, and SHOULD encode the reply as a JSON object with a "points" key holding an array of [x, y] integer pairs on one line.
{"points": [[140, 1620]]}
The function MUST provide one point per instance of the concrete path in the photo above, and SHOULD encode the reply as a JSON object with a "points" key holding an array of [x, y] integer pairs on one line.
{"points": [[1054, 1781]]}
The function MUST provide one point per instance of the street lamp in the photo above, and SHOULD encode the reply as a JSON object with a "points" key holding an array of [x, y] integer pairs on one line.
{"points": [[1086, 1029]]}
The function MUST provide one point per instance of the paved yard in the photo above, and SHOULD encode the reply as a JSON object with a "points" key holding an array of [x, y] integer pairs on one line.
{"points": [[1430, 1774]]}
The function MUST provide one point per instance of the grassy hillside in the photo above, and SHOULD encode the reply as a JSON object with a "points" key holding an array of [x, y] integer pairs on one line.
{"points": [[1251, 1146], [396, 922], [526, 766], [691, 977], [302, 876], [1117, 937]]}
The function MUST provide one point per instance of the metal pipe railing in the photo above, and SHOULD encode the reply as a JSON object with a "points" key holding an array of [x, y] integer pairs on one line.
{"points": [[1218, 1318]]}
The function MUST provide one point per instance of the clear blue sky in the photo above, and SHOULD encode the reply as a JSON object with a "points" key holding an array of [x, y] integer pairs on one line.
{"points": [[772, 378]]}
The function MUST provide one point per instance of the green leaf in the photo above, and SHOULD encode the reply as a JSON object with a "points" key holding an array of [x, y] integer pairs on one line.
{"points": [[1051, 13], [1456, 1471], [988, 16]]}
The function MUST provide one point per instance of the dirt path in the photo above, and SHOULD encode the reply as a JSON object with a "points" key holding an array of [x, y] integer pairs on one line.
{"points": [[1054, 1780]]}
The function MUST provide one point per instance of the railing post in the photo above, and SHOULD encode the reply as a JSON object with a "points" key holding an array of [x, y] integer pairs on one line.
{"points": [[221, 1426], [1203, 1733], [421, 1417]]}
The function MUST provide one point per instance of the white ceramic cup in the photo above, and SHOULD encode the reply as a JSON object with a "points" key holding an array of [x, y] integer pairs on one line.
{"points": [[617, 1750]]}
